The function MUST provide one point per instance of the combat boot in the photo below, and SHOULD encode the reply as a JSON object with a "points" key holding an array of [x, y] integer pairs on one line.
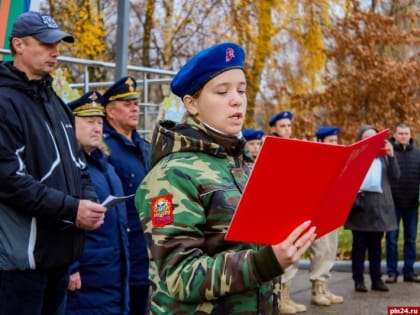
{"points": [[334, 299], [298, 307], [318, 295], [287, 305]]}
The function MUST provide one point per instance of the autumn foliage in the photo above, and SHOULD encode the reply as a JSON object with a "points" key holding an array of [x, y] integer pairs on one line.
{"points": [[375, 79], [332, 62], [85, 21]]}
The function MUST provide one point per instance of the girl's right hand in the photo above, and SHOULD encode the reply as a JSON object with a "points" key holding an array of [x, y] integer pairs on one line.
{"points": [[291, 249]]}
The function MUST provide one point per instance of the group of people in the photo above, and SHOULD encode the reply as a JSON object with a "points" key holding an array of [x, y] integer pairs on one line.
{"points": [[388, 195], [323, 251], [63, 251], [111, 275]]}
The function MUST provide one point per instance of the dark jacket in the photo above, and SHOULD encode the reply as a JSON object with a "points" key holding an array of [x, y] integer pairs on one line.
{"points": [[129, 159], [377, 213], [103, 265], [405, 191], [42, 175]]}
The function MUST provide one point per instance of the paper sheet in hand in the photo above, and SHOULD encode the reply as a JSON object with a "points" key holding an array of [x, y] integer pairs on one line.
{"points": [[295, 180], [112, 201]]}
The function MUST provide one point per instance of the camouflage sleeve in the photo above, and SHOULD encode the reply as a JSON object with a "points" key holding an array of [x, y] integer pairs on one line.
{"points": [[276, 292], [179, 248]]}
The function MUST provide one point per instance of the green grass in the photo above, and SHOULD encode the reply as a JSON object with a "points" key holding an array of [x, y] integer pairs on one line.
{"points": [[345, 240]]}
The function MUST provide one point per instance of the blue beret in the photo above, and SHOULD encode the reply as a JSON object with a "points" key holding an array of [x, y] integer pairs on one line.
{"points": [[252, 134], [326, 131], [89, 104], [124, 89], [205, 65], [282, 115], [41, 26]]}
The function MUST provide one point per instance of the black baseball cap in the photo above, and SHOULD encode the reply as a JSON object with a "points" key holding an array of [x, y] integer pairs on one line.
{"points": [[41, 26]]}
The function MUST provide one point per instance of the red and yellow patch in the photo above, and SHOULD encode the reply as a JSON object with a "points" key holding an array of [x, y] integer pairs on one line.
{"points": [[162, 210]]}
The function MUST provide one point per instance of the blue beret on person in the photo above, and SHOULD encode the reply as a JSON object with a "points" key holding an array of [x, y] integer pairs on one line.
{"points": [[282, 115], [252, 134], [326, 131], [89, 104], [205, 65], [125, 89], [41, 26]]}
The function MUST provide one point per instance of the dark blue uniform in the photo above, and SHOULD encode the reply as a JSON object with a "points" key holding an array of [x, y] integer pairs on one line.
{"points": [[130, 161], [103, 265]]}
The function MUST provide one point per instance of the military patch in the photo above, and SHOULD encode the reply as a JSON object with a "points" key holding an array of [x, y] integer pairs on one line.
{"points": [[162, 210]]}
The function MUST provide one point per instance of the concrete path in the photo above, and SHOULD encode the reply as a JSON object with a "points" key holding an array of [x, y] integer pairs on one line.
{"points": [[402, 298]]}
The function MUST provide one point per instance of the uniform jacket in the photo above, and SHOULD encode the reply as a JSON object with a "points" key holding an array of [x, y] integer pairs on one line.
{"points": [[42, 175], [405, 190], [377, 213], [130, 161], [192, 269], [103, 265]]}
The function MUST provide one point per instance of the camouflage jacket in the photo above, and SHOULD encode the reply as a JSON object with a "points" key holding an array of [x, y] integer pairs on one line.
{"points": [[186, 203]]}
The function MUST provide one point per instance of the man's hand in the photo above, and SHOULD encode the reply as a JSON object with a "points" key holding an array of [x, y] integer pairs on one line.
{"points": [[75, 282], [90, 215]]}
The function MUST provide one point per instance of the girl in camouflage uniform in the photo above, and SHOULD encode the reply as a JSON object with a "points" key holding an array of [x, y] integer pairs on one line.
{"points": [[188, 198]]}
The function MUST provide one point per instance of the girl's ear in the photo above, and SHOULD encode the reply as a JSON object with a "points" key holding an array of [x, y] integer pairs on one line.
{"points": [[190, 104]]}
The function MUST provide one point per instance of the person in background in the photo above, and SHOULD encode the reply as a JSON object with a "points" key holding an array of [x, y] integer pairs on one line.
{"points": [[405, 192], [46, 196], [281, 126], [129, 154], [254, 139], [372, 215], [323, 251], [189, 196], [99, 278]]}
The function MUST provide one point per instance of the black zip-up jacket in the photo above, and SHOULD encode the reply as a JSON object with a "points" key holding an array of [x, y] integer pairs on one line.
{"points": [[42, 175], [405, 191]]}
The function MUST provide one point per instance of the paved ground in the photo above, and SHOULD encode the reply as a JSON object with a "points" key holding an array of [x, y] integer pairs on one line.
{"points": [[401, 294]]}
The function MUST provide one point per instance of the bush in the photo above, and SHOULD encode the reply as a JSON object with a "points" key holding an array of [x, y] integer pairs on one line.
{"points": [[345, 241]]}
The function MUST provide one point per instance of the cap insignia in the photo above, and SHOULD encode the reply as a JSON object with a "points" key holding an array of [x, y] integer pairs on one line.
{"points": [[49, 21], [130, 84], [230, 54]]}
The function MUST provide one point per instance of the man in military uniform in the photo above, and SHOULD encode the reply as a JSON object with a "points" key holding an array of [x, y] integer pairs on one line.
{"points": [[129, 154]]}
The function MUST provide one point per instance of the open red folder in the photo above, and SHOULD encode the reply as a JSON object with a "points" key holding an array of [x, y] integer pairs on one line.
{"points": [[296, 180]]}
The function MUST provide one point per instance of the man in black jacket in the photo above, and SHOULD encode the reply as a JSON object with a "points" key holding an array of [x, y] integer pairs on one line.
{"points": [[46, 197], [405, 192]]}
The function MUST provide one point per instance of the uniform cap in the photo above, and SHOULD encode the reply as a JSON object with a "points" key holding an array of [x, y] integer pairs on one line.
{"points": [[89, 104], [41, 26], [252, 134], [326, 131], [282, 115], [125, 89], [206, 65]]}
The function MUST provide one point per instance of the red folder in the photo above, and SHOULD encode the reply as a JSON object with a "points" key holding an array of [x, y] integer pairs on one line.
{"points": [[295, 180]]}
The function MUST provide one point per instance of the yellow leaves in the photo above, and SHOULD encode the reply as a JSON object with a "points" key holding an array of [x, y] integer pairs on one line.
{"points": [[90, 31], [85, 22], [343, 69]]}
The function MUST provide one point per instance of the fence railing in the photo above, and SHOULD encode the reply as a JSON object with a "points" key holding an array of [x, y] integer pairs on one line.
{"points": [[148, 108]]}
